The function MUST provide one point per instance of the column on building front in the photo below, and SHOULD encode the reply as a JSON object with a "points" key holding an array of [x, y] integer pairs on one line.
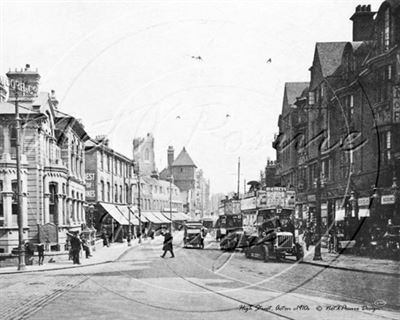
{"points": [[7, 206], [60, 211], [46, 204]]}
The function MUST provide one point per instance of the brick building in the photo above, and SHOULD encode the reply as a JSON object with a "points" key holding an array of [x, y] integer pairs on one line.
{"points": [[338, 147]]}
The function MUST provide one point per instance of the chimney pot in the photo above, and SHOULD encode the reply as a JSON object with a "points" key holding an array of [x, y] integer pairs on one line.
{"points": [[358, 8]]}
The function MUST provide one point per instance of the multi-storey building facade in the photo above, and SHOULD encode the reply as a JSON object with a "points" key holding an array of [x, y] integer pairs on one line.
{"points": [[344, 156], [52, 166], [110, 178], [201, 195]]}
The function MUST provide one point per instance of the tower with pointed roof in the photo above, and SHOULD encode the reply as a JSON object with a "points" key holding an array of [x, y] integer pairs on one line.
{"points": [[183, 171]]}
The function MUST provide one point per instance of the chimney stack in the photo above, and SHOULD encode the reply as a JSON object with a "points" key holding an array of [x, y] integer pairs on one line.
{"points": [[363, 22], [170, 156]]}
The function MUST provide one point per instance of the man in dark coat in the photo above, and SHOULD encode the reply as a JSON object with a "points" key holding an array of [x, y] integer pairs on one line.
{"points": [[40, 250], [167, 245], [76, 245]]}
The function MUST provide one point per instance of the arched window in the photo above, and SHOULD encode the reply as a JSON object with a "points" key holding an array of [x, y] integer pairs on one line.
{"points": [[102, 190], [53, 190]]}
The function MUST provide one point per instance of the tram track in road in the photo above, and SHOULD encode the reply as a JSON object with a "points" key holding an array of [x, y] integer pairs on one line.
{"points": [[292, 289]]}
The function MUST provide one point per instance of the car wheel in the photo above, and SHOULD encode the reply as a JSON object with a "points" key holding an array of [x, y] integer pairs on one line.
{"points": [[265, 253]]}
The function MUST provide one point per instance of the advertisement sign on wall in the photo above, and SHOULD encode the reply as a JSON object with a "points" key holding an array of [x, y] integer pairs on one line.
{"points": [[90, 180]]}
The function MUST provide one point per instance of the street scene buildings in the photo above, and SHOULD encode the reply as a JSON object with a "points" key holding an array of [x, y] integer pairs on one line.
{"points": [[153, 183]]}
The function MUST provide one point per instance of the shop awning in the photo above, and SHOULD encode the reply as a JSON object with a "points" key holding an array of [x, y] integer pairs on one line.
{"points": [[176, 216], [161, 217], [125, 212], [114, 213], [151, 217], [339, 215], [363, 212]]}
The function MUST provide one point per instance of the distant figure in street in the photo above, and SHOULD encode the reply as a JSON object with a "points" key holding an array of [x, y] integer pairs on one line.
{"points": [[105, 238], [85, 246], [28, 253], [76, 245], [167, 245], [307, 238], [203, 234], [40, 250]]}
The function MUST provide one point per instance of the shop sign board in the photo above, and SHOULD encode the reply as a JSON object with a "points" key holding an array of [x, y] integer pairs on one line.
{"points": [[388, 199], [90, 179], [311, 198], [248, 203], [276, 196], [363, 202], [290, 199]]}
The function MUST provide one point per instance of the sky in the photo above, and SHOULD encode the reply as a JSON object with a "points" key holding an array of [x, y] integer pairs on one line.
{"points": [[127, 68]]}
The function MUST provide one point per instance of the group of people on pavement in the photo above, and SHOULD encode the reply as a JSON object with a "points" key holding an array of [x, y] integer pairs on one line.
{"points": [[77, 244]]}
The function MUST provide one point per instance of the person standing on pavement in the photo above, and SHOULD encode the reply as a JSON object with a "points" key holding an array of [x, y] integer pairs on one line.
{"points": [[76, 245], [167, 245], [85, 246], [307, 238], [40, 250]]}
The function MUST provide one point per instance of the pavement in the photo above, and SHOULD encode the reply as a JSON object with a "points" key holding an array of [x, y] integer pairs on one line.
{"points": [[352, 262], [99, 256]]}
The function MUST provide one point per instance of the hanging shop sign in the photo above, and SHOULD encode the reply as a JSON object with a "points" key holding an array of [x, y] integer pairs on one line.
{"points": [[388, 199], [311, 198], [324, 210]]}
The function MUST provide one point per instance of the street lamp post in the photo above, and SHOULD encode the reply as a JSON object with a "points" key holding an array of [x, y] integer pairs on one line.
{"points": [[170, 201], [129, 226], [21, 249], [139, 209]]}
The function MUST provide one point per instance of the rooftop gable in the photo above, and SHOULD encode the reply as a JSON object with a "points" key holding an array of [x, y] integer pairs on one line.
{"points": [[183, 160]]}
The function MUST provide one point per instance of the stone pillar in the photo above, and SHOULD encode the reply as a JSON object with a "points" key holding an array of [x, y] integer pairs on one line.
{"points": [[7, 206], [46, 203], [24, 200], [60, 209]]}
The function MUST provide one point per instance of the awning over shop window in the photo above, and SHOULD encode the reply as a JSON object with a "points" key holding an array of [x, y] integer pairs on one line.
{"points": [[114, 213], [363, 212], [161, 217], [176, 216], [125, 212], [151, 217], [339, 215]]}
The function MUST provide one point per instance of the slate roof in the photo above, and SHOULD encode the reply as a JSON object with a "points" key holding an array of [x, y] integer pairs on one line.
{"points": [[183, 160], [330, 56], [292, 91]]}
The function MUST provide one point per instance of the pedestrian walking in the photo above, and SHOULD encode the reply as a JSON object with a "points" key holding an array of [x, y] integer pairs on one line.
{"points": [[76, 245], [40, 250], [167, 245]]}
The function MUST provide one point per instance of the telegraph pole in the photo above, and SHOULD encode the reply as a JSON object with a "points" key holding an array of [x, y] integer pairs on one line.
{"points": [[139, 210], [238, 182], [21, 249], [170, 202]]}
